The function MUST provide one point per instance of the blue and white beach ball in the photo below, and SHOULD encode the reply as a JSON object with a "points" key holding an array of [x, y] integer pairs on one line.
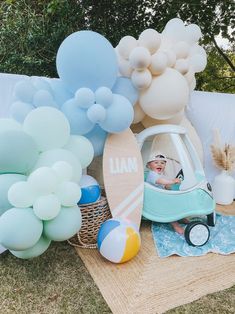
{"points": [[118, 240], [90, 190]]}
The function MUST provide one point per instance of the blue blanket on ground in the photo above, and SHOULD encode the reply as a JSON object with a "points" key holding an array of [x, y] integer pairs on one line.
{"points": [[222, 239]]}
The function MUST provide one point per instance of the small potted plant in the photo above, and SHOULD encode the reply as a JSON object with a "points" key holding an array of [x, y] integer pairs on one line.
{"points": [[223, 156]]}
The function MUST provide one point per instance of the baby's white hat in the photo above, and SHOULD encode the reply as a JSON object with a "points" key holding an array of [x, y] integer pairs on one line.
{"points": [[157, 156]]}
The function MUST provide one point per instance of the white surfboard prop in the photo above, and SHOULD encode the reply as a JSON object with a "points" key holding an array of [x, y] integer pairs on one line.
{"points": [[124, 176]]}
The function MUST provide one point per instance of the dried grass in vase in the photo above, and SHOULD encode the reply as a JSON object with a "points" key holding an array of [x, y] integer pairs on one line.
{"points": [[223, 155]]}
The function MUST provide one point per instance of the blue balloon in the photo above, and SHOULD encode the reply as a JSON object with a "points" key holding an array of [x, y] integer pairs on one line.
{"points": [[119, 115], [43, 98], [77, 117], [41, 83], [85, 97], [97, 137], [86, 59], [19, 110], [124, 87], [60, 92], [24, 91]]}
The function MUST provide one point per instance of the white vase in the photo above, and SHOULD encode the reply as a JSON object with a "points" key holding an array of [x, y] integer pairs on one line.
{"points": [[223, 188]]}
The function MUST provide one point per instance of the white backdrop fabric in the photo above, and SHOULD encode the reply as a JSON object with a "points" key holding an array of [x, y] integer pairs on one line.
{"points": [[206, 111]]}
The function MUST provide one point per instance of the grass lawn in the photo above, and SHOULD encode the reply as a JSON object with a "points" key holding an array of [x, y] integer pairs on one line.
{"points": [[58, 282]]}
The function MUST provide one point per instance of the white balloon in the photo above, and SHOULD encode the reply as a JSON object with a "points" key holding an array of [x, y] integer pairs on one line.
{"points": [[171, 58], [139, 114], [139, 58], [176, 119], [82, 148], [141, 79], [158, 63], [48, 127], [181, 49], [69, 193], [198, 62], [63, 170], [47, 207], [167, 95], [21, 195], [43, 181], [193, 33], [182, 66], [124, 67], [150, 39], [125, 46]]}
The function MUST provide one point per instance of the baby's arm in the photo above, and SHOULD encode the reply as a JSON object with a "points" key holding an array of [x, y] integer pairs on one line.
{"points": [[166, 181]]}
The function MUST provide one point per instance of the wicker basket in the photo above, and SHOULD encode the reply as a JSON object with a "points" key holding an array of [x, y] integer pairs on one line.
{"points": [[93, 215]]}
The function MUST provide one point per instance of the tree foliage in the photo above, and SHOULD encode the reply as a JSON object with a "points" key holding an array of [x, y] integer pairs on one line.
{"points": [[31, 31]]}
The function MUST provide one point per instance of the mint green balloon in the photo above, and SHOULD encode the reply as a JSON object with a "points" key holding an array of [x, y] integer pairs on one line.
{"points": [[20, 229], [65, 225], [18, 152], [9, 124], [39, 248], [82, 148], [6, 181]]}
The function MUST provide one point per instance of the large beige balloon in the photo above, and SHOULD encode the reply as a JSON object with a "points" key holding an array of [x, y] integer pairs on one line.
{"points": [[138, 114], [176, 119], [166, 96]]}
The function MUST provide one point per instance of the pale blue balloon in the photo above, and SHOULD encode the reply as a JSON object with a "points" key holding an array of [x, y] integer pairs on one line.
{"points": [[104, 96], [97, 137], [124, 87], [85, 97], [86, 59], [20, 229], [41, 83], [6, 181], [39, 248], [119, 115], [24, 91], [19, 110], [96, 113], [60, 92], [66, 224], [18, 152], [43, 98], [77, 117]]}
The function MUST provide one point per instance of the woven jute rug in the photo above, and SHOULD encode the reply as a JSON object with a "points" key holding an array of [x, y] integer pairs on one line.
{"points": [[148, 284]]}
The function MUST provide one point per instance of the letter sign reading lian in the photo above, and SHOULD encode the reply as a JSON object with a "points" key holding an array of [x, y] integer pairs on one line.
{"points": [[123, 165]]}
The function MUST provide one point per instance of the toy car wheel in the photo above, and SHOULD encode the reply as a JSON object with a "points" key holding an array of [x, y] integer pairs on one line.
{"points": [[197, 233]]}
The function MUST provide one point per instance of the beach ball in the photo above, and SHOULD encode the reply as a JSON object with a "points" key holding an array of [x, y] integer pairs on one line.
{"points": [[118, 240], [90, 190]]}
